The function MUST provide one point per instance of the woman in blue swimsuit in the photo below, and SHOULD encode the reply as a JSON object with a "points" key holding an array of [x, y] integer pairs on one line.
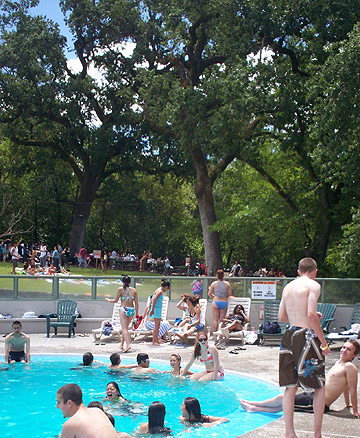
{"points": [[129, 308], [220, 291], [156, 307]]}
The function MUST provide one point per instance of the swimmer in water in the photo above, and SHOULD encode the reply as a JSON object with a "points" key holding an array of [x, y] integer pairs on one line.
{"points": [[175, 363], [88, 362], [191, 413], [17, 345], [118, 405], [143, 365], [113, 394], [115, 363], [156, 415]]}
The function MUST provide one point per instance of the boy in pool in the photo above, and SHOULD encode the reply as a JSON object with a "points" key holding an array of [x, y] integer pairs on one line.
{"points": [[115, 363], [17, 345], [143, 364]]}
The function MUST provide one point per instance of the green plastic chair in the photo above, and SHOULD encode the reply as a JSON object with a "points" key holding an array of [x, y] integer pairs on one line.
{"points": [[271, 311], [65, 317], [327, 310]]}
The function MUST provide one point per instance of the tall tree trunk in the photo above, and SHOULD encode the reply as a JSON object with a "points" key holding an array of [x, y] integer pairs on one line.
{"points": [[88, 189], [205, 199]]}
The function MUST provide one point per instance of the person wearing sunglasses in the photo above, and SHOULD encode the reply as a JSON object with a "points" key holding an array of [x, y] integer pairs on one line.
{"points": [[209, 355]]}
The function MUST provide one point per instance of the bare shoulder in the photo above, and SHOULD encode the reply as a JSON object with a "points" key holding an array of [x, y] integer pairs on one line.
{"points": [[350, 367], [8, 337]]}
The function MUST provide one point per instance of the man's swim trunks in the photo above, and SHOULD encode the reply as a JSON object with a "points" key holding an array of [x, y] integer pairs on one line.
{"points": [[17, 356], [301, 359], [304, 402]]}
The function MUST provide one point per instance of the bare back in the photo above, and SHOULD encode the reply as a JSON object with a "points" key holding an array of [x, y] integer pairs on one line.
{"points": [[299, 297], [88, 423]]}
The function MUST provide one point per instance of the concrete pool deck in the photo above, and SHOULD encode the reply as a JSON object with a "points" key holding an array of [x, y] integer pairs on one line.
{"points": [[256, 361]]}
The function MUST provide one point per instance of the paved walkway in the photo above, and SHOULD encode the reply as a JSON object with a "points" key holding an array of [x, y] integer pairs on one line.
{"points": [[255, 361]]}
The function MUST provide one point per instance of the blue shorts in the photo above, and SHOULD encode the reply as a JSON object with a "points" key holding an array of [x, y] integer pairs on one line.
{"points": [[199, 327], [221, 304]]}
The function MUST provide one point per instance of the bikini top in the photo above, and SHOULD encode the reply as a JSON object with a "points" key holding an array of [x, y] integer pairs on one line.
{"points": [[209, 357], [128, 295], [220, 290]]}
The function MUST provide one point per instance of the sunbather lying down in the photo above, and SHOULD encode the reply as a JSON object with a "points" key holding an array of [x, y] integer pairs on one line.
{"points": [[341, 378]]}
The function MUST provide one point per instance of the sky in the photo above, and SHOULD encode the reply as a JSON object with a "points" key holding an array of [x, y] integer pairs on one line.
{"points": [[51, 9]]}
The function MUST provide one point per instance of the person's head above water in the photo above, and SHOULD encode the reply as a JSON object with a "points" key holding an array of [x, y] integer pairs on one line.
{"points": [[143, 359], [88, 359], [191, 410], [115, 359], [113, 391], [175, 360], [156, 416]]}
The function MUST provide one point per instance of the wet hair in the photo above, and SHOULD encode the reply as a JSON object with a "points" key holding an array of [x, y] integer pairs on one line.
{"points": [[220, 274], [197, 348], [116, 386], [72, 392], [141, 357], [194, 300], [126, 280], [192, 406], [95, 404], [165, 283], [16, 323], [307, 265], [156, 415], [114, 358], [88, 359], [356, 344], [111, 418]]}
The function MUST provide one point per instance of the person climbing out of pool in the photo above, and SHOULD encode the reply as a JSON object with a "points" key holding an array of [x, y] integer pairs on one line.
{"points": [[209, 355], [197, 320], [341, 379], [17, 345], [115, 363], [129, 308], [191, 413], [155, 311], [220, 291], [175, 363], [143, 365], [113, 394], [156, 416], [83, 422]]}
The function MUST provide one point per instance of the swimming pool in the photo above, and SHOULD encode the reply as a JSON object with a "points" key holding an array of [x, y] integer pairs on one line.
{"points": [[28, 395]]}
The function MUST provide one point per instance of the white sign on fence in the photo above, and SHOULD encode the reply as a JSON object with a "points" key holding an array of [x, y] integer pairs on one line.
{"points": [[263, 290]]}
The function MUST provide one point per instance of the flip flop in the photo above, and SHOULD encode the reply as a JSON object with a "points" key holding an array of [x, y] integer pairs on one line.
{"points": [[97, 343], [234, 352], [239, 348], [102, 343]]}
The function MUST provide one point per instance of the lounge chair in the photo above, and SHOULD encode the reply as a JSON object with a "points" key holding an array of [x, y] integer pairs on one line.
{"points": [[142, 330], [327, 310], [114, 321], [271, 312], [352, 329], [65, 317], [232, 303], [203, 305]]}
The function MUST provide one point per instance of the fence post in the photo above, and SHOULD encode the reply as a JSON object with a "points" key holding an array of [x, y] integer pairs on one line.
{"points": [[93, 288], [16, 288], [55, 288]]}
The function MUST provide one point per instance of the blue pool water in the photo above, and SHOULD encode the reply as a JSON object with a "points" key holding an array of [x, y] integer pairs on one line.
{"points": [[28, 398]]}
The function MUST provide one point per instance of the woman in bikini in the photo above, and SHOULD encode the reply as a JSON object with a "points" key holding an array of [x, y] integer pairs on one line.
{"points": [[129, 308], [220, 291], [191, 413], [235, 320], [209, 355]]}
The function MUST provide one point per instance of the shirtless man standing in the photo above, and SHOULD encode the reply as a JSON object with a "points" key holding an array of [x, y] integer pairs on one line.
{"points": [[83, 422], [15, 345], [341, 378], [303, 345]]}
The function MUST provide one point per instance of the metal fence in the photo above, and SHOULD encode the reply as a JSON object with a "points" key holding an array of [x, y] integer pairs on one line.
{"points": [[21, 287]]}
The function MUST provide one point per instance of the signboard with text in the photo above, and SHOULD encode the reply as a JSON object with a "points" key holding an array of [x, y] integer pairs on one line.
{"points": [[263, 290]]}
